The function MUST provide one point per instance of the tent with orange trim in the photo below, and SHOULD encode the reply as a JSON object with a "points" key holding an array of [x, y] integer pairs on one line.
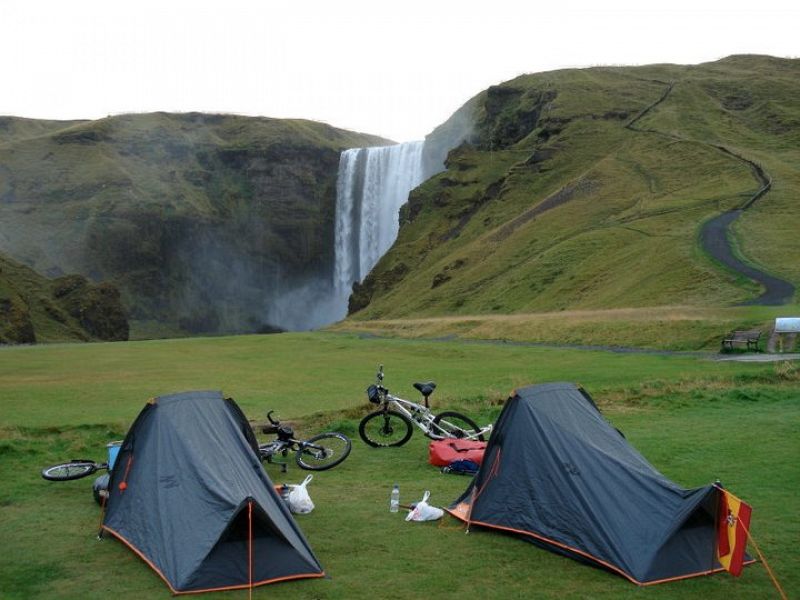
{"points": [[189, 496], [557, 474]]}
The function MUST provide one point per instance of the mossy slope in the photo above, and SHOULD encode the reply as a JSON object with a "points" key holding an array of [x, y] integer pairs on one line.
{"points": [[554, 201], [36, 309]]}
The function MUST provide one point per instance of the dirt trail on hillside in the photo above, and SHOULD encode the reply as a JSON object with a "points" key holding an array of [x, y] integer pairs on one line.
{"points": [[715, 234]]}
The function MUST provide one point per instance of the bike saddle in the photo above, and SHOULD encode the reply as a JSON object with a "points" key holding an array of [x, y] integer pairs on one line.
{"points": [[426, 389]]}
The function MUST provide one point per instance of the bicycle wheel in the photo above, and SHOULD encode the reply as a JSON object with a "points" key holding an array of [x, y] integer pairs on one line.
{"points": [[452, 424], [383, 429], [323, 451], [70, 470]]}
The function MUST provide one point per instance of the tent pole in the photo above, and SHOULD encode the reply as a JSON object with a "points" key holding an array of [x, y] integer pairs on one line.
{"points": [[715, 545], [250, 547], [102, 515], [471, 504]]}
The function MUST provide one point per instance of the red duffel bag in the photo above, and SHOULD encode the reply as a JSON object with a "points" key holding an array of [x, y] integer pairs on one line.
{"points": [[442, 452]]}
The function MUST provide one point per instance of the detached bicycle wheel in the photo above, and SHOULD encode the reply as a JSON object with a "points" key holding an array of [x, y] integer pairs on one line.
{"points": [[70, 470], [384, 429], [323, 451], [452, 424]]}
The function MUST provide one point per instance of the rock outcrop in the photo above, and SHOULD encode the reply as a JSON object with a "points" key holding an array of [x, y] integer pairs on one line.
{"points": [[70, 308], [205, 223]]}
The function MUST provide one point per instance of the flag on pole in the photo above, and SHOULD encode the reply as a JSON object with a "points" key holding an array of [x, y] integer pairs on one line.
{"points": [[733, 523]]}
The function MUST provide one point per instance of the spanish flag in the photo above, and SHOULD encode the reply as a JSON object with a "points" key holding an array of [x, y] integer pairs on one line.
{"points": [[733, 523]]}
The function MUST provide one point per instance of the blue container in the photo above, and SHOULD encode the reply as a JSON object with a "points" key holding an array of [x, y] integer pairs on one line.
{"points": [[113, 451]]}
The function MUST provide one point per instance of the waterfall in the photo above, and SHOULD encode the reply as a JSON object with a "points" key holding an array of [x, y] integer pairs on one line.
{"points": [[373, 184]]}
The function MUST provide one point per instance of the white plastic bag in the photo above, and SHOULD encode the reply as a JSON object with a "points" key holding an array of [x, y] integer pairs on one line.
{"points": [[299, 501], [424, 511]]}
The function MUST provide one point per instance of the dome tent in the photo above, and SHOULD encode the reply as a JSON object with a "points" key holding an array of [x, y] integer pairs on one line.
{"points": [[556, 474], [188, 495]]}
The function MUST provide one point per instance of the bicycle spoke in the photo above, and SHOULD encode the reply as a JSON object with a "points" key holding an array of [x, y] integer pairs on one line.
{"points": [[385, 428], [71, 470], [323, 451], [451, 424]]}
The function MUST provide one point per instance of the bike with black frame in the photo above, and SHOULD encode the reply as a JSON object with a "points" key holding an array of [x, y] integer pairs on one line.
{"points": [[78, 468], [318, 453]]}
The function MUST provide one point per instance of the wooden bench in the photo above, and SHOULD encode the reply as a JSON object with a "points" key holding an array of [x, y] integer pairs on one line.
{"points": [[742, 337]]}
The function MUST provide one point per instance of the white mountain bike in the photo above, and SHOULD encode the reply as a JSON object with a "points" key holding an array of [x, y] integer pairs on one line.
{"points": [[392, 424]]}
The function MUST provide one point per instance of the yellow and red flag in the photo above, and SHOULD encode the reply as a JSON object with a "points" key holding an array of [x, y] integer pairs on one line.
{"points": [[733, 523]]}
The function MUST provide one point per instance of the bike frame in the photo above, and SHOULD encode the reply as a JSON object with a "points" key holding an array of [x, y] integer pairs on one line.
{"points": [[283, 447], [420, 415], [284, 444], [423, 417]]}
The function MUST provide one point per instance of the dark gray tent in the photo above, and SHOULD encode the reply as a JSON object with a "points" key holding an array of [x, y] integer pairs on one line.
{"points": [[557, 474], [189, 496]]}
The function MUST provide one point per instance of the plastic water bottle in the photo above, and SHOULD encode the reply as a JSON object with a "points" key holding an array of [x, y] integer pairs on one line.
{"points": [[284, 493], [394, 499]]}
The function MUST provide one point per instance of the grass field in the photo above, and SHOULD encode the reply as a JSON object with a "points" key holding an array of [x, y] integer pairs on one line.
{"points": [[659, 328], [694, 418]]}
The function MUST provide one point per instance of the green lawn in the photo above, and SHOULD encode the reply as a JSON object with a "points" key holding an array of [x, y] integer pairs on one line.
{"points": [[659, 328], [694, 418]]}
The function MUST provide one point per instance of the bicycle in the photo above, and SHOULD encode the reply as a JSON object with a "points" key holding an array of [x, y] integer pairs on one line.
{"points": [[317, 453], [392, 424], [78, 468]]}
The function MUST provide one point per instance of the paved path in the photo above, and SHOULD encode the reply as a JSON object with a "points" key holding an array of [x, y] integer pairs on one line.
{"points": [[759, 358], [700, 354], [756, 357], [714, 236]]}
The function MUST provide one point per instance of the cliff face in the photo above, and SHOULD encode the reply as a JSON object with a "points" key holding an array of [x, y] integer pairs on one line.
{"points": [[205, 222], [36, 309]]}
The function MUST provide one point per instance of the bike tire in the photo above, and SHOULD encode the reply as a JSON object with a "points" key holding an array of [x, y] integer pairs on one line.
{"points": [[328, 450], [74, 469], [456, 424], [385, 429]]}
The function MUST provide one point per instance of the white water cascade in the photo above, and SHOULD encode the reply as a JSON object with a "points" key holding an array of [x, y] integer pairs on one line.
{"points": [[373, 184]]}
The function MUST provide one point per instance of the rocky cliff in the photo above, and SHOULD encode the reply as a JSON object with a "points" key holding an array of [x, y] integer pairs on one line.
{"points": [[36, 309], [206, 223]]}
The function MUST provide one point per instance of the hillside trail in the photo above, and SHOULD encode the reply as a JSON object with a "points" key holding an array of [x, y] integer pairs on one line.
{"points": [[715, 235]]}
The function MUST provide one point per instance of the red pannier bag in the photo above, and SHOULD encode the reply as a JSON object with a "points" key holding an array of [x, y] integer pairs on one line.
{"points": [[442, 452]]}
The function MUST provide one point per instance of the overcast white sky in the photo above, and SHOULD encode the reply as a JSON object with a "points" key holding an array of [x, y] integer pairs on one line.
{"points": [[393, 69]]}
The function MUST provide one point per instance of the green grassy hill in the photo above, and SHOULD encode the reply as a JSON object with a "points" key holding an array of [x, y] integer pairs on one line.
{"points": [[18, 128], [568, 193], [199, 219], [36, 309]]}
